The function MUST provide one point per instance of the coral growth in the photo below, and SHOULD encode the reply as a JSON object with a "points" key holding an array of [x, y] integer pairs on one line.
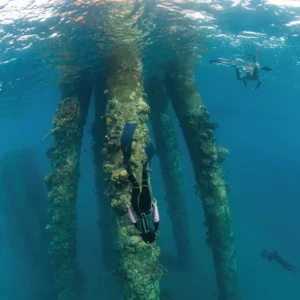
{"points": [[126, 104], [62, 183]]}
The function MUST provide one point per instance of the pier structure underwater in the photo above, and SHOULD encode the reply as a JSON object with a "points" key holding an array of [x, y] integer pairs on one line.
{"points": [[138, 268], [165, 137], [138, 265], [120, 99], [206, 157], [62, 182]]}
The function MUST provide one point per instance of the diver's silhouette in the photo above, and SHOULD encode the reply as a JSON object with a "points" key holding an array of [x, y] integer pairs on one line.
{"points": [[250, 70], [274, 255]]}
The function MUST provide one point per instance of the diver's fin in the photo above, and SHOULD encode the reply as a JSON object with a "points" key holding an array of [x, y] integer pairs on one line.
{"points": [[267, 69], [126, 142], [150, 151]]}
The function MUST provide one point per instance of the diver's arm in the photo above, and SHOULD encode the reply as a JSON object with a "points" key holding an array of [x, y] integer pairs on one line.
{"points": [[155, 216], [155, 213], [133, 219], [222, 62], [131, 216]]}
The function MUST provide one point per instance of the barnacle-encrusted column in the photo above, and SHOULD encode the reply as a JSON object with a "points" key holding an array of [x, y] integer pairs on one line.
{"points": [[62, 182], [138, 266], [206, 158], [167, 151], [105, 223]]}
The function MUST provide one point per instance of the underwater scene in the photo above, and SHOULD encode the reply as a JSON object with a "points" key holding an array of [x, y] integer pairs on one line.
{"points": [[149, 149]]}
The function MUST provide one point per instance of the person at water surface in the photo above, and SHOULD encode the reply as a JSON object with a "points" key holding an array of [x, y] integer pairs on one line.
{"points": [[248, 72]]}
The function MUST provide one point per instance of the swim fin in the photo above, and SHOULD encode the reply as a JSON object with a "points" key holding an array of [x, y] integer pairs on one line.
{"points": [[150, 151], [126, 142], [267, 69]]}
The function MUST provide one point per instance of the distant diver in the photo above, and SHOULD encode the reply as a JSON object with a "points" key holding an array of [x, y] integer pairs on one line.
{"points": [[274, 255], [250, 70], [144, 206]]}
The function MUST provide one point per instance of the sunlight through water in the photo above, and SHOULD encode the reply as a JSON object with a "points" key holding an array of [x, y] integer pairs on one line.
{"points": [[44, 39]]}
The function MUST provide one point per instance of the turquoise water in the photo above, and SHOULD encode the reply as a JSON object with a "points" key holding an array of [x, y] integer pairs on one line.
{"points": [[40, 39]]}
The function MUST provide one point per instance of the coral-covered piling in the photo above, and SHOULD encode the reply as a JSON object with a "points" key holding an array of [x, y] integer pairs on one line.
{"points": [[206, 158], [138, 266], [167, 151], [62, 182]]}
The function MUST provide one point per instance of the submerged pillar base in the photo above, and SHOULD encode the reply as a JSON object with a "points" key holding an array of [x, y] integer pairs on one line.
{"points": [[206, 157], [167, 151], [62, 184], [138, 266]]}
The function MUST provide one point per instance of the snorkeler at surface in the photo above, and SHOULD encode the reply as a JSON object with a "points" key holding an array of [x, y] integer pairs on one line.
{"points": [[143, 205], [274, 255], [250, 70]]}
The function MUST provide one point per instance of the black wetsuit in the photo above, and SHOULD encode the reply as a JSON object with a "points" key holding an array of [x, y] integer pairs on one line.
{"points": [[141, 201], [274, 255]]}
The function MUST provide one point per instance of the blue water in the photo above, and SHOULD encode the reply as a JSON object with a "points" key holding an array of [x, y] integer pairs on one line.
{"points": [[260, 127]]}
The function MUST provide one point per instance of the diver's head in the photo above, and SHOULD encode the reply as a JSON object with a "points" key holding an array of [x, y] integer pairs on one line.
{"points": [[148, 237]]}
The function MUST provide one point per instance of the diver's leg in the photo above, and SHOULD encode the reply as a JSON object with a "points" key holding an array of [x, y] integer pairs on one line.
{"points": [[293, 268], [135, 192], [145, 200], [237, 73], [285, 264], [289, 268], [296, 268], [258, 83]]}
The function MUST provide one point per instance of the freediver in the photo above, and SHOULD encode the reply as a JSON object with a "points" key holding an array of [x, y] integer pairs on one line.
{"points": [[251, 72], [274, 255], [142, 204]]}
